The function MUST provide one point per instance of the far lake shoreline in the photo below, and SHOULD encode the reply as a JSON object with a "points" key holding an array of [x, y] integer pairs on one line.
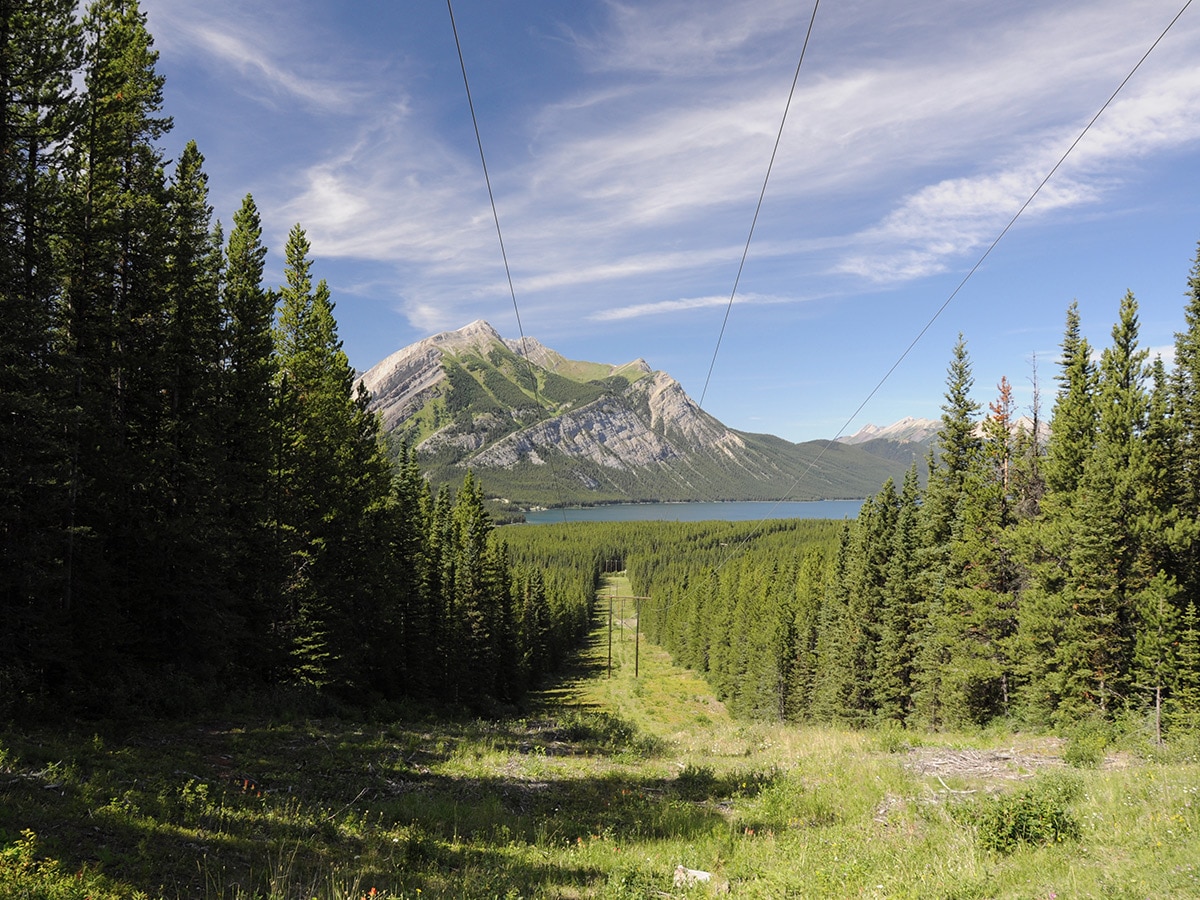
{"points": [[725, 511]]}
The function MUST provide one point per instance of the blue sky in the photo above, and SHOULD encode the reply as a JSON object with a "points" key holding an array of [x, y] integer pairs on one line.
{"points": [[627, 144]]}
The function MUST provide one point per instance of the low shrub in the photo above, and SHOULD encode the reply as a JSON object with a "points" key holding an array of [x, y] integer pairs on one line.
{"points": [[1038, 815], [1086, 743]]}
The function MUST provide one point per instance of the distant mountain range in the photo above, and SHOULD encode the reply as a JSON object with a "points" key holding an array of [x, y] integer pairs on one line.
{"points": [[906, 442], [543, 430]]}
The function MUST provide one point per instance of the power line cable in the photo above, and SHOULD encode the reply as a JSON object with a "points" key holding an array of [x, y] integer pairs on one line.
{"points": [[495, 214], [757, 209], [486, 177], [962, 283]]}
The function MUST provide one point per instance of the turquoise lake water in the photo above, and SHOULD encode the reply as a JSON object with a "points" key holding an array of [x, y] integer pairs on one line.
{"points": [[700, 512]]}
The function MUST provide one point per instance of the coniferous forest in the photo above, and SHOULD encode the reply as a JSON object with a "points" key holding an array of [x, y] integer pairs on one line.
{"points": [[194, 494], [196, 499], [1042, 581]]}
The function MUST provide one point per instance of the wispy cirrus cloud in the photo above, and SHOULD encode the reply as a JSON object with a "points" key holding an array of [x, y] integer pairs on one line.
{"points": [[227, 48], [664, 307], [270, 56], [909, 144]]}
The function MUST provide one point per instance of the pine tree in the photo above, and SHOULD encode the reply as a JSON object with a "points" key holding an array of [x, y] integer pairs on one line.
{"points": [[114, 331], [899, 616], [334, 488], [952, 464], [250, 443], [39, 50]]}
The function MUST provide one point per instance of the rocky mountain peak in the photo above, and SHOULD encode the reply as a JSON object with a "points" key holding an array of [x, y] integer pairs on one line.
{"points": [[614, 432]]}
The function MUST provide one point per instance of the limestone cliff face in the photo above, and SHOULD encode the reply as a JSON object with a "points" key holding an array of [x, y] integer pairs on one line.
{"points": [[615, 432], [404, 382], [652, 422]]}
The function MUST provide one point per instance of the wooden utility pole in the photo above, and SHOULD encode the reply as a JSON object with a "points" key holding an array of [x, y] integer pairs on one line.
{"points": [[637, 628], [610, 600]]}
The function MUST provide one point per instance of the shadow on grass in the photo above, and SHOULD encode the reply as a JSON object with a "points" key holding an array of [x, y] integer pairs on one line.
{"points": [[323, 808], [220, 811]]}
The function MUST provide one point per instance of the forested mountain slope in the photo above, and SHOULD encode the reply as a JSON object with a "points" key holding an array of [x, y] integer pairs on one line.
{"points": [[542, 429], [1044, 583]]}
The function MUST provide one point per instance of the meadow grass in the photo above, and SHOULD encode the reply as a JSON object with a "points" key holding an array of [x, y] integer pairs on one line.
{"points": [[599, 788]]}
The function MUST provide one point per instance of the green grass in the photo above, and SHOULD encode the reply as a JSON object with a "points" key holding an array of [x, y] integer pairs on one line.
{"points": [[600, 789]]}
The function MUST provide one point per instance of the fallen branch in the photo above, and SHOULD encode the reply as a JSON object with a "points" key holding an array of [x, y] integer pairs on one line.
{"points": [[334, 815]]}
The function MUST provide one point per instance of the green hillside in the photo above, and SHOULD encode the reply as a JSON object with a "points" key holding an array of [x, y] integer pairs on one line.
{"points": [[487, 397]]}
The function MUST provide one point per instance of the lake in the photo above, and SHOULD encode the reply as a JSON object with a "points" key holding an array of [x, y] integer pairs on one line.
{"points": [[741, 511]]}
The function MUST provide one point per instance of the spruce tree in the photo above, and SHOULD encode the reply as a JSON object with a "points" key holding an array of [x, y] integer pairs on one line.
{"points": [[980, 601], [39, 50], [1185, 411], [334, 492], [805, 624], [1156, 644], [955, 450], [1182, 708], [1045, 545], [1093, 658], [250, 444], [899, 618], [193, 552], [1073, 420], [833, 678], [114, 334], [952, 464]]}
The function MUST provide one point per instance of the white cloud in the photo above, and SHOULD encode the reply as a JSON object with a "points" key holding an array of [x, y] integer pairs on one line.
{"points": [[908, 147], [277, 61]]}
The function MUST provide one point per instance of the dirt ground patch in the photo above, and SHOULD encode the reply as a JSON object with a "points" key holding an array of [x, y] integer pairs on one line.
{"points": [[983, 766]]}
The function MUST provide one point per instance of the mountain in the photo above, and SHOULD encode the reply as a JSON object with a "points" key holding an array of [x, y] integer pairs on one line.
{"points": [[541, 429], [907, 430], [910, 441], [906, 442]]}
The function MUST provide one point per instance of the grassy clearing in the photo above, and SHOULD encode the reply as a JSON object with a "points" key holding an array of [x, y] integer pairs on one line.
{"points": [[601, 789]]}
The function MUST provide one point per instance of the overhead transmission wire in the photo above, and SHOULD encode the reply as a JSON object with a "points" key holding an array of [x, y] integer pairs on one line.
{"points": [[495, 214], [961, 284], [491, 196], [758, 208]]}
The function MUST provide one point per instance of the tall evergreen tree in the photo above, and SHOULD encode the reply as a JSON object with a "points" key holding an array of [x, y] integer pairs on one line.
{"points": [[899, 620], [39, 50], [250, 442], [805, 624], [980, 601], [955, 450], [1073, 421], [114, 330], [1182, 708], [192, 540], [954, 460], [1045, 545], [1093, 659], [334, 489], [832, 678], [1185, 409]]}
